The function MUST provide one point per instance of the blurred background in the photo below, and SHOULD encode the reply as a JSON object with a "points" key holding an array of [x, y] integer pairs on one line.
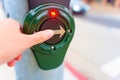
{"points": [[94, 53]]}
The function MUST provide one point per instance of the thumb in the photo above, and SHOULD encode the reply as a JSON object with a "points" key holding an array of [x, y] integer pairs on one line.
{"points": [[38, 38]]}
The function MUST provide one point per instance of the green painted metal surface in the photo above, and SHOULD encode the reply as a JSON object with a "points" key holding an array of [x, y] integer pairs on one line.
{"points": [[49, 56]]}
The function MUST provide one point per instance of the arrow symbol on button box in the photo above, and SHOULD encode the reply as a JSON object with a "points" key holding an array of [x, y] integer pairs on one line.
{"points": [[61, 31]]}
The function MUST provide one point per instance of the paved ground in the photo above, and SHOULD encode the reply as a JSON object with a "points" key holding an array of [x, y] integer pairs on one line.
{"points": [[94, 46]]}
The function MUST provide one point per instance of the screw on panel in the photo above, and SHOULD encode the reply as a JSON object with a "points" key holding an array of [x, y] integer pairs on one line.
{"points": [[69, 30], [53, 47]]}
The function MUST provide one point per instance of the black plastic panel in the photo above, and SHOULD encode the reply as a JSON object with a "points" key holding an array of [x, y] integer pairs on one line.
{"points": [[35, 3], [53, 24]]}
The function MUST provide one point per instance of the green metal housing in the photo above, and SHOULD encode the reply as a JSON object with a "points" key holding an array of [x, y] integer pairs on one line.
{"points": [[46, 57]]}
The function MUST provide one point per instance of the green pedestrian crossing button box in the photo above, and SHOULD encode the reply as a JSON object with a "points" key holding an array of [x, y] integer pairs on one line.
{"points": [[51, 53]]}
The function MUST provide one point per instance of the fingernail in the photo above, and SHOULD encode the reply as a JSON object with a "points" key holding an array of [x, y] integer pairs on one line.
{"points": [[49, 33]]}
